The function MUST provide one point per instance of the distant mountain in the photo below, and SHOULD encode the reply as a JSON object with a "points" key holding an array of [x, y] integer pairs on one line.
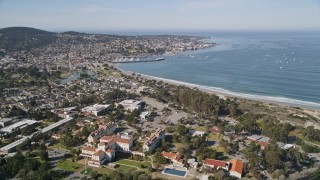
{"points": [[73, 33], [24, 38]]}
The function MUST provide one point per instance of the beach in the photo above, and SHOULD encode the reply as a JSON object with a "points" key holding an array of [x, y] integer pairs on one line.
{"points": [[222, 93]]}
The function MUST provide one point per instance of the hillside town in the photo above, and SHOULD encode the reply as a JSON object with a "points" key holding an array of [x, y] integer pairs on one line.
{"points": [[66, 110]]}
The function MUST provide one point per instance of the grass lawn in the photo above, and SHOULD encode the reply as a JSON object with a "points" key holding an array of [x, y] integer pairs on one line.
{"points": [[103, 170], [219, 149], [179, 145], [202, 128], [134, 163], [88, 171], [125, 168], [214, 137], [59, 146], [68, 165]]}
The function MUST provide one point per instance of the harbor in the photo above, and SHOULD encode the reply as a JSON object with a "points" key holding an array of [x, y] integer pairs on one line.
{"points": [[135, 60]]}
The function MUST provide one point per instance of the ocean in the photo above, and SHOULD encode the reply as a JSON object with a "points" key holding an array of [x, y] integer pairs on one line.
{"points": [[277, 66]]}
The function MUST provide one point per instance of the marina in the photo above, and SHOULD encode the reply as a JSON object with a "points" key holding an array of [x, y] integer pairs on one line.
{"points": [[135, 60]]}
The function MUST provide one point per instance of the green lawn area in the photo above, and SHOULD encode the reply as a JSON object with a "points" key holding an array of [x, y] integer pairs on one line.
{"points": [[134, 163], [68, 165], [179, 145], [59, 146], [202, 128], [214, 137], [219, 149], [88, 171], [125, 168], [103, 170]]}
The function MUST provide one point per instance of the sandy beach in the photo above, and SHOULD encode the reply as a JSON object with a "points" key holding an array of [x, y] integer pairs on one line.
{"points": [[222, 93]]}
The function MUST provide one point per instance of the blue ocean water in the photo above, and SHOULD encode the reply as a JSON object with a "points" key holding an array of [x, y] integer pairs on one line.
{"points": [[281, 66]]}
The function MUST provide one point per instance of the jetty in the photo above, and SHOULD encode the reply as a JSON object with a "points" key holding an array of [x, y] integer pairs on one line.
{"points": [[135, 60]]}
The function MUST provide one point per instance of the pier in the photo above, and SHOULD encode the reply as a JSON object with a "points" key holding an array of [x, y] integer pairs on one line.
{"points": [[135, 60]]}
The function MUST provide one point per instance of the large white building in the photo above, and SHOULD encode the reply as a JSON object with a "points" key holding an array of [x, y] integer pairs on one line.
{"points": [[16, 126], [110, 127], [5, 122], [130, 105], [155, 138], [96, 109], [106, 150]]}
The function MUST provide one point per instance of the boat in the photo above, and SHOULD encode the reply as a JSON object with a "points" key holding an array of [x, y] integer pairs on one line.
{"points": [[160, 59]]}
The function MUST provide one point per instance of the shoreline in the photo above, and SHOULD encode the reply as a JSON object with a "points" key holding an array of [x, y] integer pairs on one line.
{"points": [[223, 93]]}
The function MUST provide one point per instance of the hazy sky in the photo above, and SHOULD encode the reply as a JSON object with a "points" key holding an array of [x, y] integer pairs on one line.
{"points": [[160, 14]]}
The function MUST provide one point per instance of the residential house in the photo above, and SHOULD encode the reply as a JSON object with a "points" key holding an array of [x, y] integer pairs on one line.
{"points": [[236, 168], [263, 141], [175, 158], [216, 164], [215, 130]]}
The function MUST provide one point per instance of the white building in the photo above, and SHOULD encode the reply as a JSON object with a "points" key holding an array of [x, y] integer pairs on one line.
{"points": [[106, 150], [144, 115], [5, 122], [110, 127], [155, 138], [130, 105], [65, 112], [96, 109], [16, 126], [118, 143]]}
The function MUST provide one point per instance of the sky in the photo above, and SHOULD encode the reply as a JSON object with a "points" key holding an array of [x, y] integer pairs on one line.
{"points": [[99, 15]]}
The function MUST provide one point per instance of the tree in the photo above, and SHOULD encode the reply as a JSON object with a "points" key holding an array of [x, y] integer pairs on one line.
{"points": [[274, 156], [44, 155]]}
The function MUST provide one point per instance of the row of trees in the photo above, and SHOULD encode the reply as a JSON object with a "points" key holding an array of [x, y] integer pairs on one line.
{"points": [[26, 168], [274, 158]]}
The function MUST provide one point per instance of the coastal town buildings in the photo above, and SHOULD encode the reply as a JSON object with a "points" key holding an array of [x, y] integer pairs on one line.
{"points": [[153, 141], [130, 105], [110, 127], [5, 122], [18, 125], [106, 149], [95, 109]]}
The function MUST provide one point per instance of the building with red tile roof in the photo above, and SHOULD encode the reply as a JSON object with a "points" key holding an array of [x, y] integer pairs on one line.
{"points": [[217, 164], [236, 168], [152, 142]]}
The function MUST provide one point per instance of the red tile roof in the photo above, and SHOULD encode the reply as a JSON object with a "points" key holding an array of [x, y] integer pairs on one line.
{"points": [[214, 162], [215, 129], [98, 153], [172, 156], [263, 144], [109, 150], [115, 139], [87, 148], [237, 166]]}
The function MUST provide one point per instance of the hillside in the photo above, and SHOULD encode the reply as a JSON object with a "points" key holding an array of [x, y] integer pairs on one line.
{"points": [[24, 38]]}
